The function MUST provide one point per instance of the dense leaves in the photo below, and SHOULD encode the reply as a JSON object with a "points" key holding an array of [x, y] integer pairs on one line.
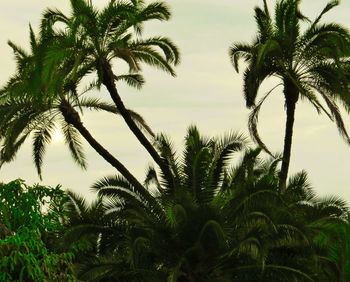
{"points": [[31, 221], [221, 222]]}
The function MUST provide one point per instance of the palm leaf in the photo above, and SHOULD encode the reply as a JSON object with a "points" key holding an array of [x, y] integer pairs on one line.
{"points": [[72, 139], [41, 137]]}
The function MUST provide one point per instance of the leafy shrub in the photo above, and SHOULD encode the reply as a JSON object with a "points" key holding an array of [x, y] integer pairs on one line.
{"points": [[31, 220]]}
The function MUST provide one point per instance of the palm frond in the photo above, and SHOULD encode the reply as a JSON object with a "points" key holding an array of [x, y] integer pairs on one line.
{"points": [[240, 51], [77, 204], [330, 5], [152, 58], [166, 150], [133, 79], [253, 122], [224, 150], [72, 139], [41, 137], [169, 49], [154, 11], [117, 186], [337, 117], [9, 150]]}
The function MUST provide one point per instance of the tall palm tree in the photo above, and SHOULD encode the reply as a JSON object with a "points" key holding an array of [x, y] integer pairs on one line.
{"points": [[96, 39], [312, 63], [34, 103]]}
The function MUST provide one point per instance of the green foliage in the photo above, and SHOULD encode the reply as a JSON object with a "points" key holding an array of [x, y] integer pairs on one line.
{"points": [[25, 257], [32, 218], [221, 222], [24, 206]]}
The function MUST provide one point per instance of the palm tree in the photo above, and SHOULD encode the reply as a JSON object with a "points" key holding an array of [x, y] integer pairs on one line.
{"points": [[219, 224], [34, 104], [95, 39], [311, 64]]}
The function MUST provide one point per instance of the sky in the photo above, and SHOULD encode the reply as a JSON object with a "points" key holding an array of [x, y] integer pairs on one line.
{"points": [[206, 92]]}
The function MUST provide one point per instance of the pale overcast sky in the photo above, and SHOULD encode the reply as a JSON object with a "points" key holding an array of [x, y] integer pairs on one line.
{"points": [[206, 92]]}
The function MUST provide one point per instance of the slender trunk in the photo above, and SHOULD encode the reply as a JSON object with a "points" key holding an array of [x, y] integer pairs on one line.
{"points": [[287, 146], [291, 98], [108, 81], [71, 116]]}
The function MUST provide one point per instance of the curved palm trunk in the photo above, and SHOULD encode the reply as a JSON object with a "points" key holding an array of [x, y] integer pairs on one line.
{"points": [[71, 116], [291, 97], [108, 81]]}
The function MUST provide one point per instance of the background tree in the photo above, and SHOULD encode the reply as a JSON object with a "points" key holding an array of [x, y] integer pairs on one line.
{"points": [[312, 63]]}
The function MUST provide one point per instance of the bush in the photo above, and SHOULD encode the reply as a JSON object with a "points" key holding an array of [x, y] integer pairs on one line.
{"points": [[31, 221]]}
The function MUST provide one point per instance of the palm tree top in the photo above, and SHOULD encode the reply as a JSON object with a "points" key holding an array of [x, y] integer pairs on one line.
{"points": [[307, 57], [96, 37]]}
